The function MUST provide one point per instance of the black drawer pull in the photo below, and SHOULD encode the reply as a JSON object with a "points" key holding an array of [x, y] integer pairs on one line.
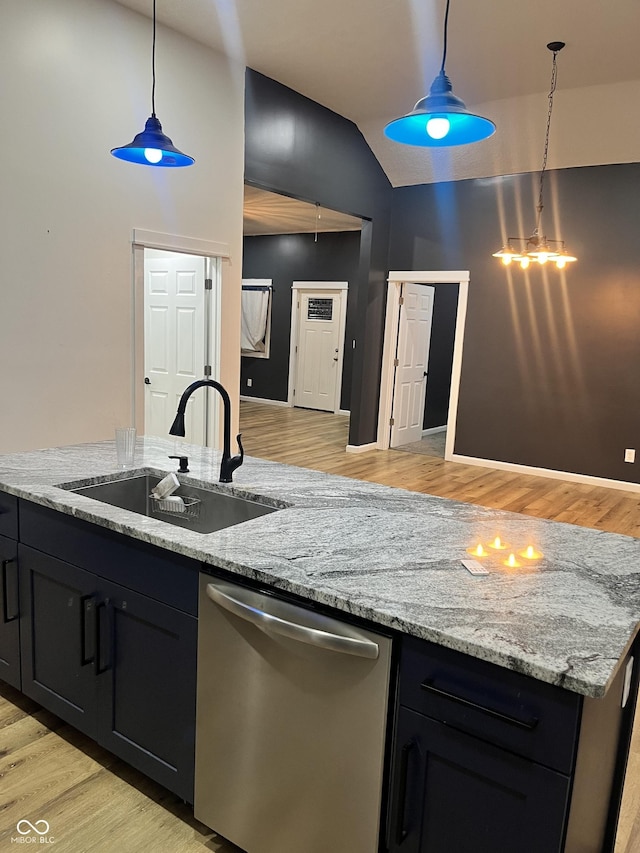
{"points": [[401, 833], [104, 636], [528, 724], [10, 602]]}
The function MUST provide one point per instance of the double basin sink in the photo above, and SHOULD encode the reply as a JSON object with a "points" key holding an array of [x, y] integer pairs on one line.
{"points": [[205, 510]]}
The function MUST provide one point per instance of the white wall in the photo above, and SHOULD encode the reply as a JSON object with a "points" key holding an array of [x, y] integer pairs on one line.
{"points": [[76, 81]]}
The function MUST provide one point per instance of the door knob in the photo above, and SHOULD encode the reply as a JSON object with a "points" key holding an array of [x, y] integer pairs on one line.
{"points": [[147, 381]]}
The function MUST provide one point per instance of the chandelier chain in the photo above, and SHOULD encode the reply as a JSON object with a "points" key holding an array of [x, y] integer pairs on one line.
{"points": [[554, 83]]}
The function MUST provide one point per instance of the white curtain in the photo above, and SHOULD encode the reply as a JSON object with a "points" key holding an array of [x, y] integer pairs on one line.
{"points": [[255, 308]]}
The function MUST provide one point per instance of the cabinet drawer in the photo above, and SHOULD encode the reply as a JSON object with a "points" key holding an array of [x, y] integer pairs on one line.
{"points": [[8, 515], [517, 713]]}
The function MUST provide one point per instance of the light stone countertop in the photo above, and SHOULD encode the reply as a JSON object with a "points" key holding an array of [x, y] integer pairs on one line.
{"points": [[387, 555]]}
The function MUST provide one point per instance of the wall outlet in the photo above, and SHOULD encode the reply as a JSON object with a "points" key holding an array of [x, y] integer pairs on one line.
{"points": [[630, 454], [249, 383]]}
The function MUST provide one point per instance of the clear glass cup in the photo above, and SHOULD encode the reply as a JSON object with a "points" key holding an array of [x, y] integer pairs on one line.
{"points": [[125, 446]]}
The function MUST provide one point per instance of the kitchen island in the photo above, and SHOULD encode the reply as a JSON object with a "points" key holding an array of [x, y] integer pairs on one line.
{"points": [[391, 558]]}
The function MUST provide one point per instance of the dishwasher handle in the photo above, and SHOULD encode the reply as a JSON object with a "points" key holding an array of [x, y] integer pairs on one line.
{"points": [[244, 609]]}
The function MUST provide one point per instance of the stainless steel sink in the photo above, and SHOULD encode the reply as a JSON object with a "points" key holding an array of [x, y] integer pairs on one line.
{"points": [[206, 510]]}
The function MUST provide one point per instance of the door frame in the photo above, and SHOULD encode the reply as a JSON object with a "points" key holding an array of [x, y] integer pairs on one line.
{"points": [[213, 253], [329, 287], [395, 281]]}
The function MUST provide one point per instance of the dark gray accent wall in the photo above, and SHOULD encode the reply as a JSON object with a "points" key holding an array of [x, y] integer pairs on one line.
{"points": [[297, 147], [551, 360], [286, 258]]}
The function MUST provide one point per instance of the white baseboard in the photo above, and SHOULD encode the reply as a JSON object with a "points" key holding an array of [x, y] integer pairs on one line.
{"points": [[569, 476], [343, 412], [434, 430], [264, 400], [361, 448]]}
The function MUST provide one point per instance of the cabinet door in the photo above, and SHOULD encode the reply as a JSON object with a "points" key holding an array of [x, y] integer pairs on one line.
{"points": [[453, 792], [147, 685], [9, 613], [57, 635]]}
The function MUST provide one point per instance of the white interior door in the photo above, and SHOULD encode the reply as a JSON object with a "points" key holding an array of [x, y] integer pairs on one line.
{"points": [[174, 339], [410, 385], [318, 349]]}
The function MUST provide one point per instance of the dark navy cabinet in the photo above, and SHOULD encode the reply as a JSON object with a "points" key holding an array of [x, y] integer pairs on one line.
{"points": [[9, 594], [9, 613], [486, 760], [108, 636]]}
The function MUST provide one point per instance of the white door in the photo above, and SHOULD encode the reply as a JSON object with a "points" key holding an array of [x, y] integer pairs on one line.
{"points": [[410, 385], [319, 356], [174, 341]]}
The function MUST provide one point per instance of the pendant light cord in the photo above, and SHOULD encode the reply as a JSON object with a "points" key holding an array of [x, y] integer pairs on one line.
{"points": [[446, 26], [554, 83], [153, 64]]}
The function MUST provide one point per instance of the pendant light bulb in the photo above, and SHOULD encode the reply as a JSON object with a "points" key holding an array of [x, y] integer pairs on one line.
{"points": [[152, 147], [440, 119], [438, 127]]}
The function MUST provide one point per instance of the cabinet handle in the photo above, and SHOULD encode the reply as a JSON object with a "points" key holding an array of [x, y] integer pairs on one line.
{"points": [[100, 666], [87, 629], [401, 833], [10, 603], [527, 724]]}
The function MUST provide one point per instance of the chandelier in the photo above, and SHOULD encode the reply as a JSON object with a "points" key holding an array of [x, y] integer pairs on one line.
{"points": [[538, 247]]}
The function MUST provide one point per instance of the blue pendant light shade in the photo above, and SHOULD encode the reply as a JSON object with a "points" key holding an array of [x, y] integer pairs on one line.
{"points": [[151, 147], [440, 120]]}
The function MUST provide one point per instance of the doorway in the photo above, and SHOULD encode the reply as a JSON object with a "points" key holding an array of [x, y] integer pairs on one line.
{"points": [[176, 329], [318, 320], [411, 362], [397, 329]]}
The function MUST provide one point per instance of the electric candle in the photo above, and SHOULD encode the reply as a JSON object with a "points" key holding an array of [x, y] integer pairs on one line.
{"points": [[512, 562], [478, 551], [530, 553], [498, 544]]}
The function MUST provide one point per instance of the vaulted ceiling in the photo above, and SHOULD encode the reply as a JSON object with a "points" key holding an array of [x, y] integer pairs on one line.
{"points": [[371, 60]]}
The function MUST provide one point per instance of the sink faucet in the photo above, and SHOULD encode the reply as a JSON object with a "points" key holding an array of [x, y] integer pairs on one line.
{"points": [[229, 463]]}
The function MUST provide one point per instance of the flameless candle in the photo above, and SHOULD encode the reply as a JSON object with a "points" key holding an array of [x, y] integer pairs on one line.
{"points": [[478, 551], [530, 553], [512, 562], [498, 544]]}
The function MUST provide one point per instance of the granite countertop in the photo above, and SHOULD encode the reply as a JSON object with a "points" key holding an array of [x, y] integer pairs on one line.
{"points": [[388, 555]]}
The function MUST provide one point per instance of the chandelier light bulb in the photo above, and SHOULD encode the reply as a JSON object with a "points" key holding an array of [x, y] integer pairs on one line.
{"points": [[524, 263]]}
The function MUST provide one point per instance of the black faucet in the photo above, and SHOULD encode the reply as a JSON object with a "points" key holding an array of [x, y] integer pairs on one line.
{"points": [[229, 463]]}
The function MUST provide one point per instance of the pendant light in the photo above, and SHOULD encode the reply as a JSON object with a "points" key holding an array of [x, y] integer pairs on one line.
{"points": [[537, 248], [440, 119], [151, 147]]}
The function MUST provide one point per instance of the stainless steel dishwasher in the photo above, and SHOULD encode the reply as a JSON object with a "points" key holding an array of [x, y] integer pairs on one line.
{"points": [[291, 721]]}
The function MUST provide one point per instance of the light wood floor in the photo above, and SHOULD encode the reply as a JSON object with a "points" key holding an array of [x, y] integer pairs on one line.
{"points": [[97, 804]]}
